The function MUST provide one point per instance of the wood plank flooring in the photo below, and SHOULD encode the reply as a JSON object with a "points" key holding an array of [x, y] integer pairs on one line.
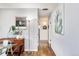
{"points": [[44, 50]]}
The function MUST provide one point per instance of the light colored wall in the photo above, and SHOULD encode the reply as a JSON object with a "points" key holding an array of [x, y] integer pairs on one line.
{"points": [[7, 19], [58, 43], [43, 33], [67, 44], [72, 29]]}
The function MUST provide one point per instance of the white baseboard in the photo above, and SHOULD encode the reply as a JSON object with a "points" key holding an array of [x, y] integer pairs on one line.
{"points": [[31, 49]]}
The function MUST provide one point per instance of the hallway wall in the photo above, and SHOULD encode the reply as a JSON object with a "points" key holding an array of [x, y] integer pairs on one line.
{"points": [[56, 39], [67, 44], [72, 28]]}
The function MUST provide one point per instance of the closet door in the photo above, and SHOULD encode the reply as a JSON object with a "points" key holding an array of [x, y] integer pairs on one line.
{"points": [[33, 35], [26, 37]]}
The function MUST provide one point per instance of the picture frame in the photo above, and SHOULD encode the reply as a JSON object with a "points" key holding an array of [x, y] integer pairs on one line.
{"points": [[21, 22], [59, 22]]}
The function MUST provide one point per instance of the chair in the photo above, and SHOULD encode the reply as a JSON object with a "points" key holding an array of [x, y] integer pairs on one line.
{"points": [[17, 50], [3, 51]]}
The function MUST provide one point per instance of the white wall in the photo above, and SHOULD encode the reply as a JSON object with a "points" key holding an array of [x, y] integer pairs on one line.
{"points": [[56, 39], [7, 19], [67, 44], [72, 29]]}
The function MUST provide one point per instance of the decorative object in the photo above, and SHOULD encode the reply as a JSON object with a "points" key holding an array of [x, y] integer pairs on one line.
{"points": [[21, 22], [45, 27], [12, 29], [59, 22]]}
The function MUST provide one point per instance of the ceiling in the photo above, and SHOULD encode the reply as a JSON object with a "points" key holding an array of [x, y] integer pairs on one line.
{"points": [[50, 6]]}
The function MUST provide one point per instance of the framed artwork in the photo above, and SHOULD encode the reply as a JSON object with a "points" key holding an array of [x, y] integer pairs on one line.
{"points": [[59, 22], [21, 22]]}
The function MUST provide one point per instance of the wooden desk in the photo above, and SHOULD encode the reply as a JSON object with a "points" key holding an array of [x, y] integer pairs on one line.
{"points": [[20, 44]]}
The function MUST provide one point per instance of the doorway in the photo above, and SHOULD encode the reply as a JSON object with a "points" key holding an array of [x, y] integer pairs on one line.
{"points": [[43, 24], [43, 21]]}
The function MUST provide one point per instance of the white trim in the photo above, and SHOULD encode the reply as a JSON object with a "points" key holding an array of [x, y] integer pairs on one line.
{"points": [[31, 49]]}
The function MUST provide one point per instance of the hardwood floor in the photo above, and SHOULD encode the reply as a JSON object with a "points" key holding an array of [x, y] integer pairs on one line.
{"points": [[44, 50]]}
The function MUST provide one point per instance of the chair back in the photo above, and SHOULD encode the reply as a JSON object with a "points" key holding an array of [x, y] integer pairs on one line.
{"points": [[5, 43], [4, 50]]}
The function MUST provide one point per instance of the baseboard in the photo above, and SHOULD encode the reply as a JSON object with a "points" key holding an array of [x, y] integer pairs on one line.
{"points": [[31, 50]]}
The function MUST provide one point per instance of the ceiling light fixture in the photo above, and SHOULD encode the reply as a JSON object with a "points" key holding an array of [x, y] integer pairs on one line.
{"points": [[45, 9]]}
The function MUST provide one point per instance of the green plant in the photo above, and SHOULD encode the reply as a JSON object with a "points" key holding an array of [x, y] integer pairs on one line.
{"points": [[13, 28]]}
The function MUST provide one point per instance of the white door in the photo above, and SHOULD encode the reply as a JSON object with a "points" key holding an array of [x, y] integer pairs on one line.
{"points": [[31, 41], [34, 35]]}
